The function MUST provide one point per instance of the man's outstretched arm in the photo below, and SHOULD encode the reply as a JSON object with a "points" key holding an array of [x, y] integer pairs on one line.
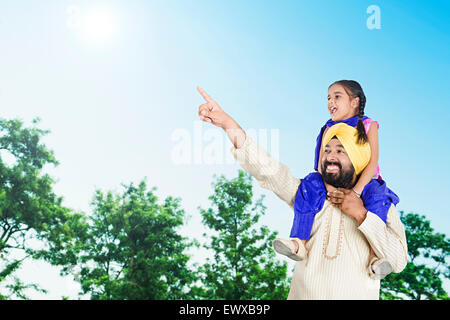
{"points": [[269, 173]]}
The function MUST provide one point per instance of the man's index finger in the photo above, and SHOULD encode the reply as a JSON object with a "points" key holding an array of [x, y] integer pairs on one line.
{"points": [[204, 95]]}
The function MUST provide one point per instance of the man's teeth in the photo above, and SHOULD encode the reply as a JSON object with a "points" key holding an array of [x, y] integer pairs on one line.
{"points": [[332, 168], [333, 109]]}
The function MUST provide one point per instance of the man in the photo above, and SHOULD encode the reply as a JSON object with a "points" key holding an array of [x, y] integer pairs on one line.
{"points": [[343, 230], [342, 163]]}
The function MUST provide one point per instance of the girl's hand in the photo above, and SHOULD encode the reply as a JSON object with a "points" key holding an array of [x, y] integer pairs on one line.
{"points": [[349, 203], [211, 112]]}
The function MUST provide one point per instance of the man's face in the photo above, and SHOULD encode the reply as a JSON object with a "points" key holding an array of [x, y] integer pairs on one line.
{"points": [[337, 169]]}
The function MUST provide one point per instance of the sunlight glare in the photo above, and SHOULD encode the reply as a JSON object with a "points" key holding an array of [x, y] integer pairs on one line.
{"points": [[99, 26]]}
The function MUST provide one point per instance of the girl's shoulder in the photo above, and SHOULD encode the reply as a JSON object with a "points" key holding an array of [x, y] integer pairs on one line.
{"points": [[368, 122], [352, 122], [369, 119]]}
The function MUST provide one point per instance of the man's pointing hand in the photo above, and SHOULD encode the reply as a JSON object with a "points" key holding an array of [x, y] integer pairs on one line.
{"points": [[211, 112]]}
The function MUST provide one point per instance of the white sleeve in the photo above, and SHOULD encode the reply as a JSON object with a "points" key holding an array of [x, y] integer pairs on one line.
{"points": [[388, 240], [269, 173]]}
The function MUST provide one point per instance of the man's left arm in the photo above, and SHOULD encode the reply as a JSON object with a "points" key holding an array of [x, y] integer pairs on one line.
{"points": [[388, 239]]}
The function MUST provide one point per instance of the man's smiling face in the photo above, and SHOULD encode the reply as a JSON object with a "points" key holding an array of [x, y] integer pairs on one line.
{"points": [[337, 169]]}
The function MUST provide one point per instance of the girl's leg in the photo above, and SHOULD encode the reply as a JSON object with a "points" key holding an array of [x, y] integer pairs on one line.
{"points": [[304, 244], [293, 248]]}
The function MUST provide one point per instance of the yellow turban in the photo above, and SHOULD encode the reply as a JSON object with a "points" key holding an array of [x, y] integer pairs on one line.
{"points": [[359, 154]]}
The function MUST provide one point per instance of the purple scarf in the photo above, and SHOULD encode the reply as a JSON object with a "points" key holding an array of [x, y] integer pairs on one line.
{"points": [[311, 195]]}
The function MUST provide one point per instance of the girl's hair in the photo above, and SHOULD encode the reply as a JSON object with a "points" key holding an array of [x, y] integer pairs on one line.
{"points": [[354, 90]]}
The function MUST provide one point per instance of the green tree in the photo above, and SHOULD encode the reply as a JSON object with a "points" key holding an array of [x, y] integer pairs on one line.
{"points": [[428, 252], [33, 223], [244, 264], [133, 250]]}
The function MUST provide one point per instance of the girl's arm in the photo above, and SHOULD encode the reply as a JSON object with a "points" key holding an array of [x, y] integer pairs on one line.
{"points": [[371, 168]]}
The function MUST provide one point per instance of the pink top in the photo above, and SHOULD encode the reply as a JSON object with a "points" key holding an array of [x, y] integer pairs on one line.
{"points": [[367, 124]]}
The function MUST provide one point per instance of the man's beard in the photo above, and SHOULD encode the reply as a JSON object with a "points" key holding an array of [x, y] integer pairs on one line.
{"points": [[343, 179]]}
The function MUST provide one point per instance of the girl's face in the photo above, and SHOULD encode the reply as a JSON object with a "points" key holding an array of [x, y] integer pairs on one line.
{"points": [[340, 105]]}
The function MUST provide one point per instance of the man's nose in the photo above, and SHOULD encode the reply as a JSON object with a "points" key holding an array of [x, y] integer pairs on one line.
{"points": [[332, 157]]}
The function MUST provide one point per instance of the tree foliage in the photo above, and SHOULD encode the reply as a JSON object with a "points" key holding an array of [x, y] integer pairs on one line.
{"points": [[133, 249], [33, 222], [427, 267], [130, 246], [244, 264]]}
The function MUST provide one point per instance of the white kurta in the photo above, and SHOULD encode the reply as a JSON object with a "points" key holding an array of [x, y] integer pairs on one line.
{"points": [[338, 249]]}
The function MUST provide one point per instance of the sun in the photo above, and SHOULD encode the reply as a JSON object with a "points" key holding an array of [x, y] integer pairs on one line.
{"points": [[98, 25]]}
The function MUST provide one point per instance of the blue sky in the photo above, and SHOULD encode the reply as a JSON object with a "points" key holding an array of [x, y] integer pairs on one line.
{"points": [[113, 103]]}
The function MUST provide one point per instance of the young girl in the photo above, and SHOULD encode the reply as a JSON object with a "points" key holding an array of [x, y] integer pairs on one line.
{"points": [[346, 103]]}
